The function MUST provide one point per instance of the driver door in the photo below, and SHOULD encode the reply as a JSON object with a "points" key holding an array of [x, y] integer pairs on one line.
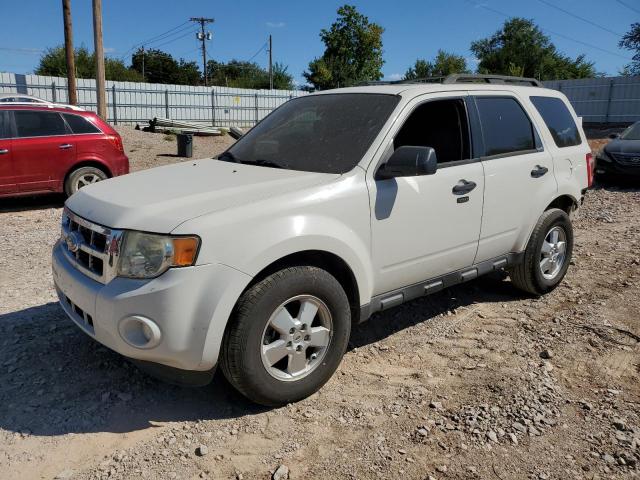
{"points": [[421, 228]]}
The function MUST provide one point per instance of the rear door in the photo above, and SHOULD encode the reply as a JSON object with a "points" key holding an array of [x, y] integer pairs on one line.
{"points": [[519, 178], [41, 150], [7, 174]]}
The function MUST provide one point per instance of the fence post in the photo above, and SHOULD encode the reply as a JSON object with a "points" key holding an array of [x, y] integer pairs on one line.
{"points": [[256, 104], [606, 117], [166, 103], [114, 105], [53, 92], [213, 107]]}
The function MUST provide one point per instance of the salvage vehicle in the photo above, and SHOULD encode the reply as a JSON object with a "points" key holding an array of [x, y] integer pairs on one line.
{"points": [[337, 205], [50, 148], [621, 157]]}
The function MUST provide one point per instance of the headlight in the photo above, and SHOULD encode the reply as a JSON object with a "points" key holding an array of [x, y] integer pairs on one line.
{"points": [[147, 255]]}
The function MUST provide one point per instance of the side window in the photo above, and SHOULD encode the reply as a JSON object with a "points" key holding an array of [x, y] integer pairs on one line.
{"points": [[506, 128], [39, 124], [441, 125], [558, 119], [79, 124], [4, 125]]}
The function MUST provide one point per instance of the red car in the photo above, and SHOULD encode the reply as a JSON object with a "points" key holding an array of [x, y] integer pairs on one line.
{"points": [[55, 149]]}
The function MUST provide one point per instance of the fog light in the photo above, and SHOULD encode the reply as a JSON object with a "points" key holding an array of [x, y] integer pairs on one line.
{"points": [[139, 331]]}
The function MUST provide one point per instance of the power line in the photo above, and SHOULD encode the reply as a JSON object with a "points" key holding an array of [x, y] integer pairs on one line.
{"points": [[586, 20], [486, 7], [628, 6], [258, 52], [156, 38], [190, 32]]}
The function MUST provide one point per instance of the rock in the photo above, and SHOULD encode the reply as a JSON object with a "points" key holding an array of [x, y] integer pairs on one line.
{"points": [[436, 405], [202, 450], [281, 473], [491, 435], [619, 424], [546, 354], [513, 438], [64, 475], [442, 469], [423, 432], [520, 427], [608, 459]]}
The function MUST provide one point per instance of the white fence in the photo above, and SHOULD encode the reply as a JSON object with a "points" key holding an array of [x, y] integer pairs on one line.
{"points": [[129, 102], [602, 100]]}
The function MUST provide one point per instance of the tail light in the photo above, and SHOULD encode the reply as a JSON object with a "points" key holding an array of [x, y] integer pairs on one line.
{"points": [[117, 142], [589, 159]]}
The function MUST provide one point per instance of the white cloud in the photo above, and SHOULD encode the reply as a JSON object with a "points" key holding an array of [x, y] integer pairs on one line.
{"points": [[109, 50], [393, 77], [275, 24]]}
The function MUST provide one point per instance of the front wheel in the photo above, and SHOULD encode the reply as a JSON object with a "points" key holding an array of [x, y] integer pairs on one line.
{"points": [[547, 256], [287, 337]]}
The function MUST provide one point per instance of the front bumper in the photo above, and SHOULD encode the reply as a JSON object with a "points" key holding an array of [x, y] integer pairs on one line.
{"points": [[190, 307]]}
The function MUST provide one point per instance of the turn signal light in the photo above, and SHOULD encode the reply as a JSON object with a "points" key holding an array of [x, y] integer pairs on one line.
{"points": [[184, 251]]}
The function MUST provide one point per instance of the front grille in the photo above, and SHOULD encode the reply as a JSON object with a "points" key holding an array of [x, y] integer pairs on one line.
{"points": [[91, 248], [82, 318], [629, 159]]}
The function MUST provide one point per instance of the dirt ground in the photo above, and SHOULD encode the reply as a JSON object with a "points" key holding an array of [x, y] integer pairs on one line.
{"points": [[475, 382]]}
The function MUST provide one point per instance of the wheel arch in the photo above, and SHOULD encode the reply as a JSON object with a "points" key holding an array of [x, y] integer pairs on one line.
{"points": [[89, 162], [564, 202]]}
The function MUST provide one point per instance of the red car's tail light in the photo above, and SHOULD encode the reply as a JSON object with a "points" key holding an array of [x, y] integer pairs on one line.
{"points": [[117, 142], [589, 159]]}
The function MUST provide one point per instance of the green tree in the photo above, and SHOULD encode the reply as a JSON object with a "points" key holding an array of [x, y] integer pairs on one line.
{"points": [[52, 63], [520, 48], [353, 52], [239, 74], [161, 67], [444, 64], [631, 41]]}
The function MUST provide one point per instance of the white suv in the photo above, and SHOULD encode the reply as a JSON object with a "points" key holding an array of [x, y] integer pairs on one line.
{"points": [[336, 206]]}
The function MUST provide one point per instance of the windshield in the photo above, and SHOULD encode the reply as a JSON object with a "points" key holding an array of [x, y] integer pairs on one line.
{"points": [[316, 133], [632, 132]]}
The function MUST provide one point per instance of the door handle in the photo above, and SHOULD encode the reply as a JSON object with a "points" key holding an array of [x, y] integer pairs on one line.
{"points": [[539, 171], [65, 146], [463, 187], [3, 151]]}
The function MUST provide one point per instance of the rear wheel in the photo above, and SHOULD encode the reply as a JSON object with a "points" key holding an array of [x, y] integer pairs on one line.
{"points": [[288, 336], [82, 177], [547, 256]]}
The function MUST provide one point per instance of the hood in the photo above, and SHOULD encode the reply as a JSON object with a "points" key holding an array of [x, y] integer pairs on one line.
{"points": [[160, 199], [620, 145]]}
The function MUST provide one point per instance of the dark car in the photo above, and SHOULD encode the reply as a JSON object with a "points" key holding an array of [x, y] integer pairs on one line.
{"points": [[621, 156], [51, 148]]}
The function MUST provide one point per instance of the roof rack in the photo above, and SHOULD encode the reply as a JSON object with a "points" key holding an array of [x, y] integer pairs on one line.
{"points": [[466, 78]]}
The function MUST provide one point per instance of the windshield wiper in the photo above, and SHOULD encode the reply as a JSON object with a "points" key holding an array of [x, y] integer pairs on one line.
{"points": [[228, 156], [263, 163]]}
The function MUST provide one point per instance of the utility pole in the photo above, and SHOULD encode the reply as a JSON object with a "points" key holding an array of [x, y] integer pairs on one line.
{"points": [[270, 64], [143, 63], [202, 36], [99, 54], [72, 96]]}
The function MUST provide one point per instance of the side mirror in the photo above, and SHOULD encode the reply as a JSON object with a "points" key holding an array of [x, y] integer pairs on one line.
{"points": [[408, 161], [613, 136]]}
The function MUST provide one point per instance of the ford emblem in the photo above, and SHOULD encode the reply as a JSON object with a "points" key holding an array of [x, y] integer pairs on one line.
{"points": [[73, 241]]}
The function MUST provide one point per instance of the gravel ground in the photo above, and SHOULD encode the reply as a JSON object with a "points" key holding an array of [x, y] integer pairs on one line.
{"points": [[475, 382]]}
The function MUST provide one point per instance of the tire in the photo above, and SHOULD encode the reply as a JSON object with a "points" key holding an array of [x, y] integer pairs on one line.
{"points": [[528, 275], [82, 175], [251, 333]]}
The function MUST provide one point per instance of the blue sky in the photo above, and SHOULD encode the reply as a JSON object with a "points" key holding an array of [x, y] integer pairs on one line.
{"points": [[413, 28]]}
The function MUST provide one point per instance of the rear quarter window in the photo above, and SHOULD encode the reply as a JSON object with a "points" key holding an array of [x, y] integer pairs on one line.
{"points": [[559, 121], [80, 124], [32, 123]]}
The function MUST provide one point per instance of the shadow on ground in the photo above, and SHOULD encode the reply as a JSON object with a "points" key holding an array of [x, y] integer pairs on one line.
{"points": [[56, 380], [36, 202]]}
